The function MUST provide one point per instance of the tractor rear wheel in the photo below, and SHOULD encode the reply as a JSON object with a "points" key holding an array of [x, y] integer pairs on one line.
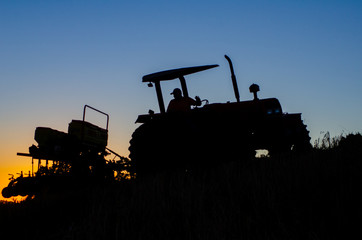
{"points": [[159, 146]]}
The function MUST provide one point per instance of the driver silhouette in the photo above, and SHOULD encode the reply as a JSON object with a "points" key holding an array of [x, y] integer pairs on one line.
{"points": [[180, 103]]}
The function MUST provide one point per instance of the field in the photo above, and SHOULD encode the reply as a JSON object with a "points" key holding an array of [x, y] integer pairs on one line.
{"points": [[316, 195]]}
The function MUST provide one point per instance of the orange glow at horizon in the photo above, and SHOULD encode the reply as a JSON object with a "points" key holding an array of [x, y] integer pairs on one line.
{"points": [[11, 143], [14, 170]]}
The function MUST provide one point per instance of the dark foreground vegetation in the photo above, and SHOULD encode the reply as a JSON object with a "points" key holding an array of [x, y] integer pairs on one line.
{"points": [[317, 195]]}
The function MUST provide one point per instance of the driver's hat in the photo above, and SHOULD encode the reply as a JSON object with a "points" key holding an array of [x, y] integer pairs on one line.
{"points": [[176, 91]]}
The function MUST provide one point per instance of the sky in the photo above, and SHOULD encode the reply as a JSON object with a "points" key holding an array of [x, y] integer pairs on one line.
{"points": [[57, 56]]}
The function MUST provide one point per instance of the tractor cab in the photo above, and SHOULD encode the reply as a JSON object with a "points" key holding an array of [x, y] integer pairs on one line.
{"points": [[156, 78]]}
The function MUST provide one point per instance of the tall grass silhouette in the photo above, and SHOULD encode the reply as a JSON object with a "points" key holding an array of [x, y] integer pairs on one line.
{"points": [[316, 195]]}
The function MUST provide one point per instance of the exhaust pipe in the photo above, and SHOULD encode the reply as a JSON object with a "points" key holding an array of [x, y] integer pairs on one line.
{"points": [[233, 79]]}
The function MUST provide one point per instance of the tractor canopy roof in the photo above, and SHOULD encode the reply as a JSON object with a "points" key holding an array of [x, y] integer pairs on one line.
{"points": [[175, 73]]}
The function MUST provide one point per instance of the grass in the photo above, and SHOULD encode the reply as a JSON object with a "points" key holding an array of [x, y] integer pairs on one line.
{"points": [[317, 195]]}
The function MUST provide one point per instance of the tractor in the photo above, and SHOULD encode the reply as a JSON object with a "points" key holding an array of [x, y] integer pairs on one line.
{"points": [[213, 133]]}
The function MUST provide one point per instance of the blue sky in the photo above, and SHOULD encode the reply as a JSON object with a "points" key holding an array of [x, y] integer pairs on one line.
{"points": [[56, 56]]}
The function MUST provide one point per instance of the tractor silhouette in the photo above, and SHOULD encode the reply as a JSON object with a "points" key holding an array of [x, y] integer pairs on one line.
{"points": [[211, 134]]}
